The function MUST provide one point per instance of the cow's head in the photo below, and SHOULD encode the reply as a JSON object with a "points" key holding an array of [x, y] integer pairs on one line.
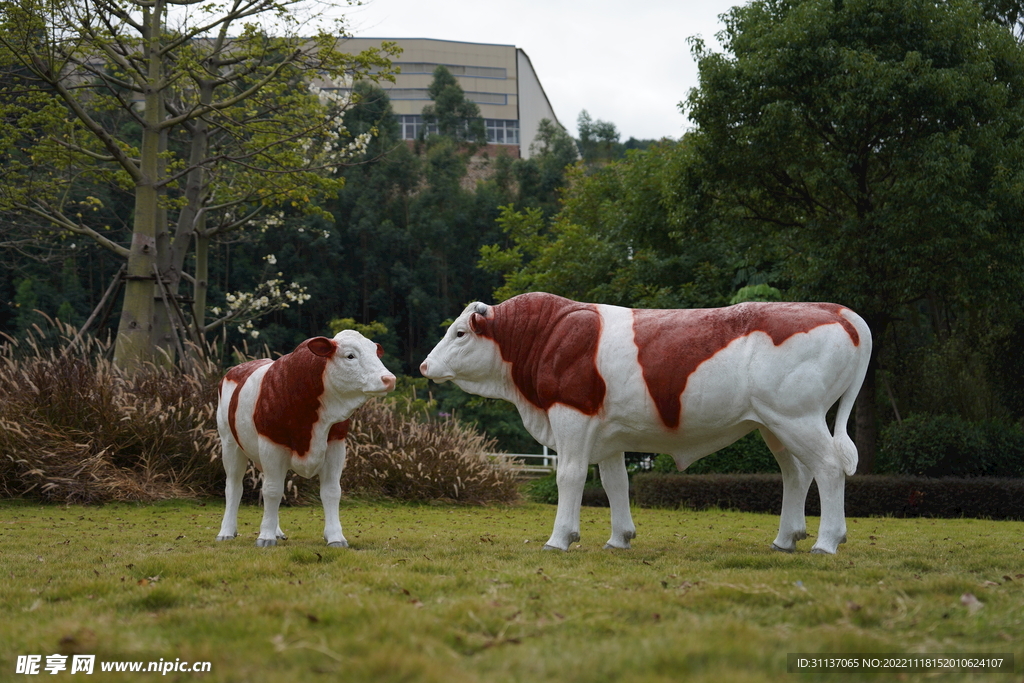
{"points": [[466, 355], [353, 365]]}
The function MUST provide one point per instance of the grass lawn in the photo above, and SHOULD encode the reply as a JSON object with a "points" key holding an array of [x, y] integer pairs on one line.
{"points": [[450, 594]]}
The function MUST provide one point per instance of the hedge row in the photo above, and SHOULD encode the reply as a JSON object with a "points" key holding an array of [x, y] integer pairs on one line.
{"points": [[983, 497]]}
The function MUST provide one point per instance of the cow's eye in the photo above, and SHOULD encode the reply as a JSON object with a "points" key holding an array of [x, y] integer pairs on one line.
{"points": [[459, 333], [351, 356]]}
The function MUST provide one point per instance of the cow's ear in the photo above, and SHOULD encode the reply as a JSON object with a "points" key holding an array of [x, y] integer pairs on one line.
{"points": [[322, 346], [478, 323], [380, 351]]}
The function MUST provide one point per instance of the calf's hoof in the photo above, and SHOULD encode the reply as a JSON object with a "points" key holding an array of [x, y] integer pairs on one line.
{"points": [[226, 538], [265, 542], [338, 544]]}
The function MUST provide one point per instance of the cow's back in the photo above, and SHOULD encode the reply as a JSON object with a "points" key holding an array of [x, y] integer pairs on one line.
{"points": [[673, 344]]}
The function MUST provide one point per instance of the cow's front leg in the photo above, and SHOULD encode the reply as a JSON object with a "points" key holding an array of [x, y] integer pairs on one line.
{"points": [[615, 481], [330, 493], [275, 469], [571, 476]]}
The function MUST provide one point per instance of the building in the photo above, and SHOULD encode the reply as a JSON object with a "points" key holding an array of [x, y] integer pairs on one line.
{"points": [[499, 78]]}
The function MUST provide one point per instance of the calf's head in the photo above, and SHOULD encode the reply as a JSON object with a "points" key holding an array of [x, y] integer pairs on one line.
{"points": [[353, 365]]}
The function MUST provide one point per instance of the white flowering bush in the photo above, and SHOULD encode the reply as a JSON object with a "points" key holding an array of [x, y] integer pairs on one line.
{"points": [[331, 149], [243, 308]]}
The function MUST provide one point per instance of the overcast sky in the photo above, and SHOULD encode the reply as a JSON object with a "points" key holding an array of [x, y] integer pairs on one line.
{"points": [[624, 62]]}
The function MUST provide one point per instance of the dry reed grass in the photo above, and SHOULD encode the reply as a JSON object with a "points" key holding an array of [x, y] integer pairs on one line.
{"points": [[75, 429], [398, 454]]}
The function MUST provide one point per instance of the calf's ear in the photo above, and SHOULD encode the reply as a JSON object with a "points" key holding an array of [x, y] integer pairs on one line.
{"points": [[321, 346], [380, 351]]}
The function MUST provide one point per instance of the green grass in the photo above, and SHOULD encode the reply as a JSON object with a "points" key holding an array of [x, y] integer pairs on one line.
{"points": [[450, 594]]}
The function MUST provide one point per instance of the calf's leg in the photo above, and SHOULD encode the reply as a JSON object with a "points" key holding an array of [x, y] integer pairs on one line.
{"points": [[275, 469], [330, 493], [234, 461]]}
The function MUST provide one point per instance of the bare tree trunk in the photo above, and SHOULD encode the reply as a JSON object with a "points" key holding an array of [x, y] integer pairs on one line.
{"points": [[202, 283], [134, 346]]}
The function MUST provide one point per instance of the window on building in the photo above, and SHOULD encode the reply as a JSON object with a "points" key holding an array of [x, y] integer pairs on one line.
{"points": [[499, 131], [422, 94], [455, 69], [502, 131]]}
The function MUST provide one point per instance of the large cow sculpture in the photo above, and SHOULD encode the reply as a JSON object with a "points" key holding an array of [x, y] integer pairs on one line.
{"points": [[593, 381], [292, 414]]}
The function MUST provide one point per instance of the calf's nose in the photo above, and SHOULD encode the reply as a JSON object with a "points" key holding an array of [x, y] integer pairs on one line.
{"points": [[389, 382]]}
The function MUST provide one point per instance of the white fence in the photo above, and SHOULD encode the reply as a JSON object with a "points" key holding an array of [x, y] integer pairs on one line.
{"points": [[530, 463]]}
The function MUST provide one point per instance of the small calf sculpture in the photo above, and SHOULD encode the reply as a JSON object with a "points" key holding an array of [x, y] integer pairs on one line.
{"points": [[292, 414]]}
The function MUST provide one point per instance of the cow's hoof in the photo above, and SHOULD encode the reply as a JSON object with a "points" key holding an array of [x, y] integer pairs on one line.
{"points": [[266, 542], [226, 538], [338, 544], [609, 546], [548, 546], [781, 549], [821, 551]]}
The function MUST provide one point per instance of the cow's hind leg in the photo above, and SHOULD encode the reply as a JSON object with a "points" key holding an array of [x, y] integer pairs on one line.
{"points": [[234, 461], [615, 481], [330, 493], [796, 479], [809, 440]]}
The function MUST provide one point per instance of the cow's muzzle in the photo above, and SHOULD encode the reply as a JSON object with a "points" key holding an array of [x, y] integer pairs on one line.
{"points": [[430, 371]]}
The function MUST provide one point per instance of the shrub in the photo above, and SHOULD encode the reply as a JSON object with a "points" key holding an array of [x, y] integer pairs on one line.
{"points": [[406, 456], [949, 497], [545, 490], [73, 429], [749, 455], [948, 445]]}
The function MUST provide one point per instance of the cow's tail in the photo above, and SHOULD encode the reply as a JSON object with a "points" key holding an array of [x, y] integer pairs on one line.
{"points": [[847, 450]]}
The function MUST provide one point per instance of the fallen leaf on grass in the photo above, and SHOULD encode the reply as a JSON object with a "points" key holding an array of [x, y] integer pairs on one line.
{"points": [[972, 603]]}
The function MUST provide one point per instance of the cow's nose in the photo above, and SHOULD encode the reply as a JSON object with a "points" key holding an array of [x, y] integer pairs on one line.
{"points": [[389, 382], [423, 368]]}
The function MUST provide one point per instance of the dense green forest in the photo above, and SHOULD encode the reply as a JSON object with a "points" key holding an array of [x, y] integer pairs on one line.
{"points": [[869, 153]]}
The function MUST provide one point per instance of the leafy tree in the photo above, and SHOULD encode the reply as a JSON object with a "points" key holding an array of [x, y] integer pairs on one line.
{"points": [[456, 117], [205, 125], [617, 239], [872, 149], [541, 177]]}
